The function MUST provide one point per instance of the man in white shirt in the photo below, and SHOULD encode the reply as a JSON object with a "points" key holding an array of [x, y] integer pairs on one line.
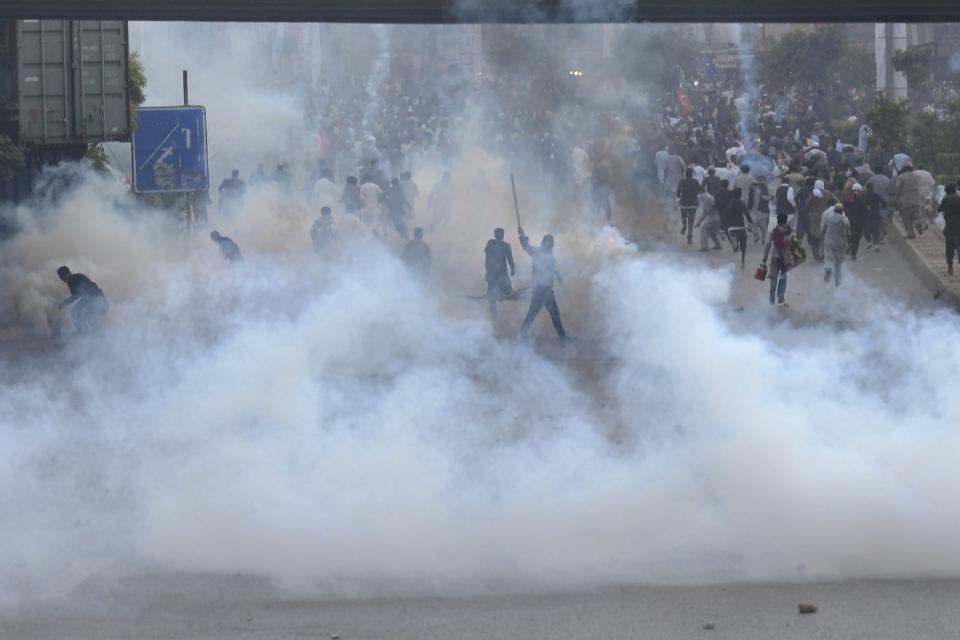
{"points": [[372, 212], [325, 192]]}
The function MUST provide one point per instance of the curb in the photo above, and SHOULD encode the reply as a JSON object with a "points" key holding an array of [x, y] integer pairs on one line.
{"points": [[925, 255]]}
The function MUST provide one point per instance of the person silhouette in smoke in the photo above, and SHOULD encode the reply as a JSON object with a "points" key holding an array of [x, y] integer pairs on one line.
{"points": [[417, 257], [499, 256], [231, 192], [228, 248], [323, 231], [91, 305], [544, 273], [396, 204]]}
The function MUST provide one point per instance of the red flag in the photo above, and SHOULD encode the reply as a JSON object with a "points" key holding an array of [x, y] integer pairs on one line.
{"points": [[323, 144], [683, 102]]}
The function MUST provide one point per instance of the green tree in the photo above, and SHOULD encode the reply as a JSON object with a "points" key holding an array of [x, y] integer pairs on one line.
{"points": [[11, 158], [915, 64], [888, 121], [804, 60], [514, 49], [96, 153], [138, 86], [932, 137], [654, 59]]}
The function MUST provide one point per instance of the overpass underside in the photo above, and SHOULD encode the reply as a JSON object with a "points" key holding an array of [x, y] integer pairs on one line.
{"points": [[453, 11]]}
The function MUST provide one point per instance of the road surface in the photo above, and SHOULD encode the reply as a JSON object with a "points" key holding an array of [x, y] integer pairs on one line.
{"points": [[203, 607]]}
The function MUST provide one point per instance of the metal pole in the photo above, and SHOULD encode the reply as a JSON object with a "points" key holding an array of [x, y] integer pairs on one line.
{"points": [[516, 207], [186, 101]]}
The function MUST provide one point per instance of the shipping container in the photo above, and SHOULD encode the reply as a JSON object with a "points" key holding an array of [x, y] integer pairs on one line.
{"points": [[67, 80]]}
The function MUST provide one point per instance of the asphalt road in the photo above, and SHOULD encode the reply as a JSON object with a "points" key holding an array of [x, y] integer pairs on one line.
{"points": [[221, 608]]}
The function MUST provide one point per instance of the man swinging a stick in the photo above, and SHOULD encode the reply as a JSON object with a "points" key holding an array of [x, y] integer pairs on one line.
{"points": [[544, 273]]}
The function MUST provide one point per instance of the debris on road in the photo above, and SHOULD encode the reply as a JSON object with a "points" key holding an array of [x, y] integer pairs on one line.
{"points": [[807, 608]]}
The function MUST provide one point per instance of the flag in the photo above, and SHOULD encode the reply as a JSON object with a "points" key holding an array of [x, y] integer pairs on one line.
{"points": [[683, 102]]}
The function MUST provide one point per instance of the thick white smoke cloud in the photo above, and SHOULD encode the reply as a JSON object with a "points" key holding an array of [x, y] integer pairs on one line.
{"points": [[328, 425], [332, 425]]}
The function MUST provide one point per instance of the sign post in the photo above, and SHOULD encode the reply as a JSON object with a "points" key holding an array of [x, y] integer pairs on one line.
{"points": [[170, 150], [186, 101]]}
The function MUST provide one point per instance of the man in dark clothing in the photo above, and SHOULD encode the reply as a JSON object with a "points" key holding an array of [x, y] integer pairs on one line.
{"points": [[544, 272], [950, 208], [351, 198], [786, 202], [91, 305], [873, 217], [712, 184], [857, 215], [282, 177], [498, 256], [228, 248], [396, 202], [721, 202], [323, 231], [688, 191], [803, 199], [733, 219], [417, 257], [231, 192], [600, 193]]}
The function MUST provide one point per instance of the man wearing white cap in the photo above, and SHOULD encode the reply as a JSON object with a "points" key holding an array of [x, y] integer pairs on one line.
{"points": [[835, 228], [819, 202]]}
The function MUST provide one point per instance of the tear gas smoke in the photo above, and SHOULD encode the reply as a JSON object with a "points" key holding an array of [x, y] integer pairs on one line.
{"points": [[332, 425]]}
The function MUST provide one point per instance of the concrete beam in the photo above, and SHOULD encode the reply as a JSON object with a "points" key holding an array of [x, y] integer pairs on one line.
{"points": [[451, 11]]}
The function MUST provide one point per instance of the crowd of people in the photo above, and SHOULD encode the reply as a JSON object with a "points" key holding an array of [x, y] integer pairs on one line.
{"points": [[768, 169], [744, 163]]}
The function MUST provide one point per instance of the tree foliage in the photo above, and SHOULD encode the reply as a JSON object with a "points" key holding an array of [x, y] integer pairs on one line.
{"points": [[932, 136], [138, 86], [655, 60], [11, 158], [928, 136], [513, 50], [915, 64], [803, 60], [97, 155], [888, 121]]}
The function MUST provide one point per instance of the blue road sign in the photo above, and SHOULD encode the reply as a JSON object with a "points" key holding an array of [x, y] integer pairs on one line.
{"points": [[170, 150]]}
